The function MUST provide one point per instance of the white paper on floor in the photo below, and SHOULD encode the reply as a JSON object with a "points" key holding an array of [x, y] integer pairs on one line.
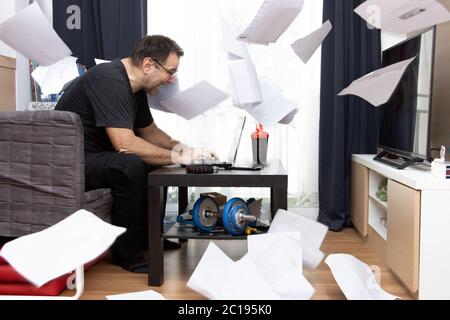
{"points": [[378, 87], [313, 234], [142, 295], [217, 277], [403, 16], [278, 256], [60, 249], [356, 279]]}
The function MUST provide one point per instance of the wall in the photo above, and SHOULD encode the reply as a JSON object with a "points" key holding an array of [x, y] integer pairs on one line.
{"points": [[441, 93], [23, 85]]}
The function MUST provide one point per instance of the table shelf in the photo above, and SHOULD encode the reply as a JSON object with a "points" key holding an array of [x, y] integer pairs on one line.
{"points": [[188, 232]]}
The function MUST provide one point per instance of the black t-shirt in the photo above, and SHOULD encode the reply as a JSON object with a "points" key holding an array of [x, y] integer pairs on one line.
{"points": [[103, 98]]}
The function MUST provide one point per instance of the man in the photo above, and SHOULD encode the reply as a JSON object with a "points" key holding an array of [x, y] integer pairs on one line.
{"points": [[122, 142]]}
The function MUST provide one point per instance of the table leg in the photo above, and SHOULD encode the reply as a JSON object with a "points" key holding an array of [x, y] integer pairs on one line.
{"points": [[155, 240], [278, 199], [182, 204], [182, 199]]}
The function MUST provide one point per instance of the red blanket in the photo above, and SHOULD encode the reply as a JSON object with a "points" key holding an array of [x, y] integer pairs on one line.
{"points": [[12, 283]]}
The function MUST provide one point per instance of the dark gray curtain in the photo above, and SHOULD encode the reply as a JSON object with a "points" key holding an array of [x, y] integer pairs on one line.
{"points": [[348, 125], [109, 29]]}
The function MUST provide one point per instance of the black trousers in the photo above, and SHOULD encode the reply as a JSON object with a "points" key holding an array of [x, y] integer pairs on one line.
{"points": [[126, 176]]}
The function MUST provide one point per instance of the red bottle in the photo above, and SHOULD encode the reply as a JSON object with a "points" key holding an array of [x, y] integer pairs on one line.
{"points": [[260, 143]]}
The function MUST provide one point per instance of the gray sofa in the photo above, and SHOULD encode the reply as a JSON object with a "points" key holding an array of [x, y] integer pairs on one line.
{"points": [[42, 172]]}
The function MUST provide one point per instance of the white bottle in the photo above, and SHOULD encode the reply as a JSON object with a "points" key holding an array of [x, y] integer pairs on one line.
{"points": [[440, 167]]}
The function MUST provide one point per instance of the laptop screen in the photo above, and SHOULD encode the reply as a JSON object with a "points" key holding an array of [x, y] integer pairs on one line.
{"points": [[234, 148]]}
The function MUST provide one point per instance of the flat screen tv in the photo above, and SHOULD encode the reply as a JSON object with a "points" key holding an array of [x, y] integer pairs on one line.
{"points": [[404, 132]]}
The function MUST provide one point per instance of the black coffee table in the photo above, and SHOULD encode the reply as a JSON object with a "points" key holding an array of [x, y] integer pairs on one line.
{"points": [[274, 176]]}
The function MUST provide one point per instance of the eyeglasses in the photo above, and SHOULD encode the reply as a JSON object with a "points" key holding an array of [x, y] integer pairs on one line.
{"points": [[171, 73]]}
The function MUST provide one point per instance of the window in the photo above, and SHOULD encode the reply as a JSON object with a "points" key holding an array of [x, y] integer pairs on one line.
{"points": [[197, 26]]}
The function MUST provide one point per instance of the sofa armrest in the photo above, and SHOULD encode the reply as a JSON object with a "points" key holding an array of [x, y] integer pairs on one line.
{"points": [[41, 170]]}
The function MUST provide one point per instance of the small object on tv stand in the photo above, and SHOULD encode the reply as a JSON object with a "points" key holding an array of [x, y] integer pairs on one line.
{"points": [[441, 168], [399, 162]]}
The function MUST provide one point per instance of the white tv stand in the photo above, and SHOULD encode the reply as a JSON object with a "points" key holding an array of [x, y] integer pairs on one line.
{"points": [[411, 232]]}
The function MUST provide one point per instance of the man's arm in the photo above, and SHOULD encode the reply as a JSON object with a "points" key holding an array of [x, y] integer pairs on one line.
{"points": [[125, 141], [157, 137]]}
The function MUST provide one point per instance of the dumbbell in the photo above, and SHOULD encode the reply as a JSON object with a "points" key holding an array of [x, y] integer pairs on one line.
{"points": [[236, 216], [205, 214]]}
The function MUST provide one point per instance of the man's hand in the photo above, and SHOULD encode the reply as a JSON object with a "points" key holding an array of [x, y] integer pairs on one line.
{"points": [[185, 155], [203, 156]]}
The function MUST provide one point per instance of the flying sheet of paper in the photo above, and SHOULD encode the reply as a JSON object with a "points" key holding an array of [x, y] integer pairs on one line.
{"points": [[355, 278], [377, 87], [403, 16], [164, 92], [278, 256], [236, 49], [244, 82], [274, 108], [306, 47], [52, 79], [142, 295], [30, 33], [217, 277], [246, 89], [313, 234], [60, 249], [236, 289], [289, 118], [100, 61], [195, 100], [272, 20]]}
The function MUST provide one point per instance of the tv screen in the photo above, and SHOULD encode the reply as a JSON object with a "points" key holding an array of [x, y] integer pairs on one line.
{"points": [[405, 119]]}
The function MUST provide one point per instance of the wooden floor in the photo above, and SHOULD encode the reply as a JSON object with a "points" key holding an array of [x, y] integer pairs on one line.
{"points": [[107, 279]]}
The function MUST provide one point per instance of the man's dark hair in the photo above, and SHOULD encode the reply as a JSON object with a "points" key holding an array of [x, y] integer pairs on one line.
{"points": [[156, 47]]}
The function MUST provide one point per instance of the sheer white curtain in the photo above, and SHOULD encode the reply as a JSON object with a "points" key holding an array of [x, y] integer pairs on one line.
{"points": [[197, 26]]}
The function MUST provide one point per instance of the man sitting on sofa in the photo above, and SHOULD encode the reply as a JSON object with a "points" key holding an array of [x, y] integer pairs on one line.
{"points": [[122, 142]]}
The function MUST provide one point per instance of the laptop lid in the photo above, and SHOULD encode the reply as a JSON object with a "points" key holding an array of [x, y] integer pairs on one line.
{"points": [[234, 148]]}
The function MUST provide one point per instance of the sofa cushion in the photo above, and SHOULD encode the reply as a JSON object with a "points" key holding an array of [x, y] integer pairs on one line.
{"points": [[99, 202]]}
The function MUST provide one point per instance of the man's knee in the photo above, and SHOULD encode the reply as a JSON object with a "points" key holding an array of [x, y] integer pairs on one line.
{"points": [[133, 168]]}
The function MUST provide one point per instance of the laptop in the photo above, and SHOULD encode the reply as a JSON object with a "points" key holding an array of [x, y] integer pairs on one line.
{"points": [[234, 148]]}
